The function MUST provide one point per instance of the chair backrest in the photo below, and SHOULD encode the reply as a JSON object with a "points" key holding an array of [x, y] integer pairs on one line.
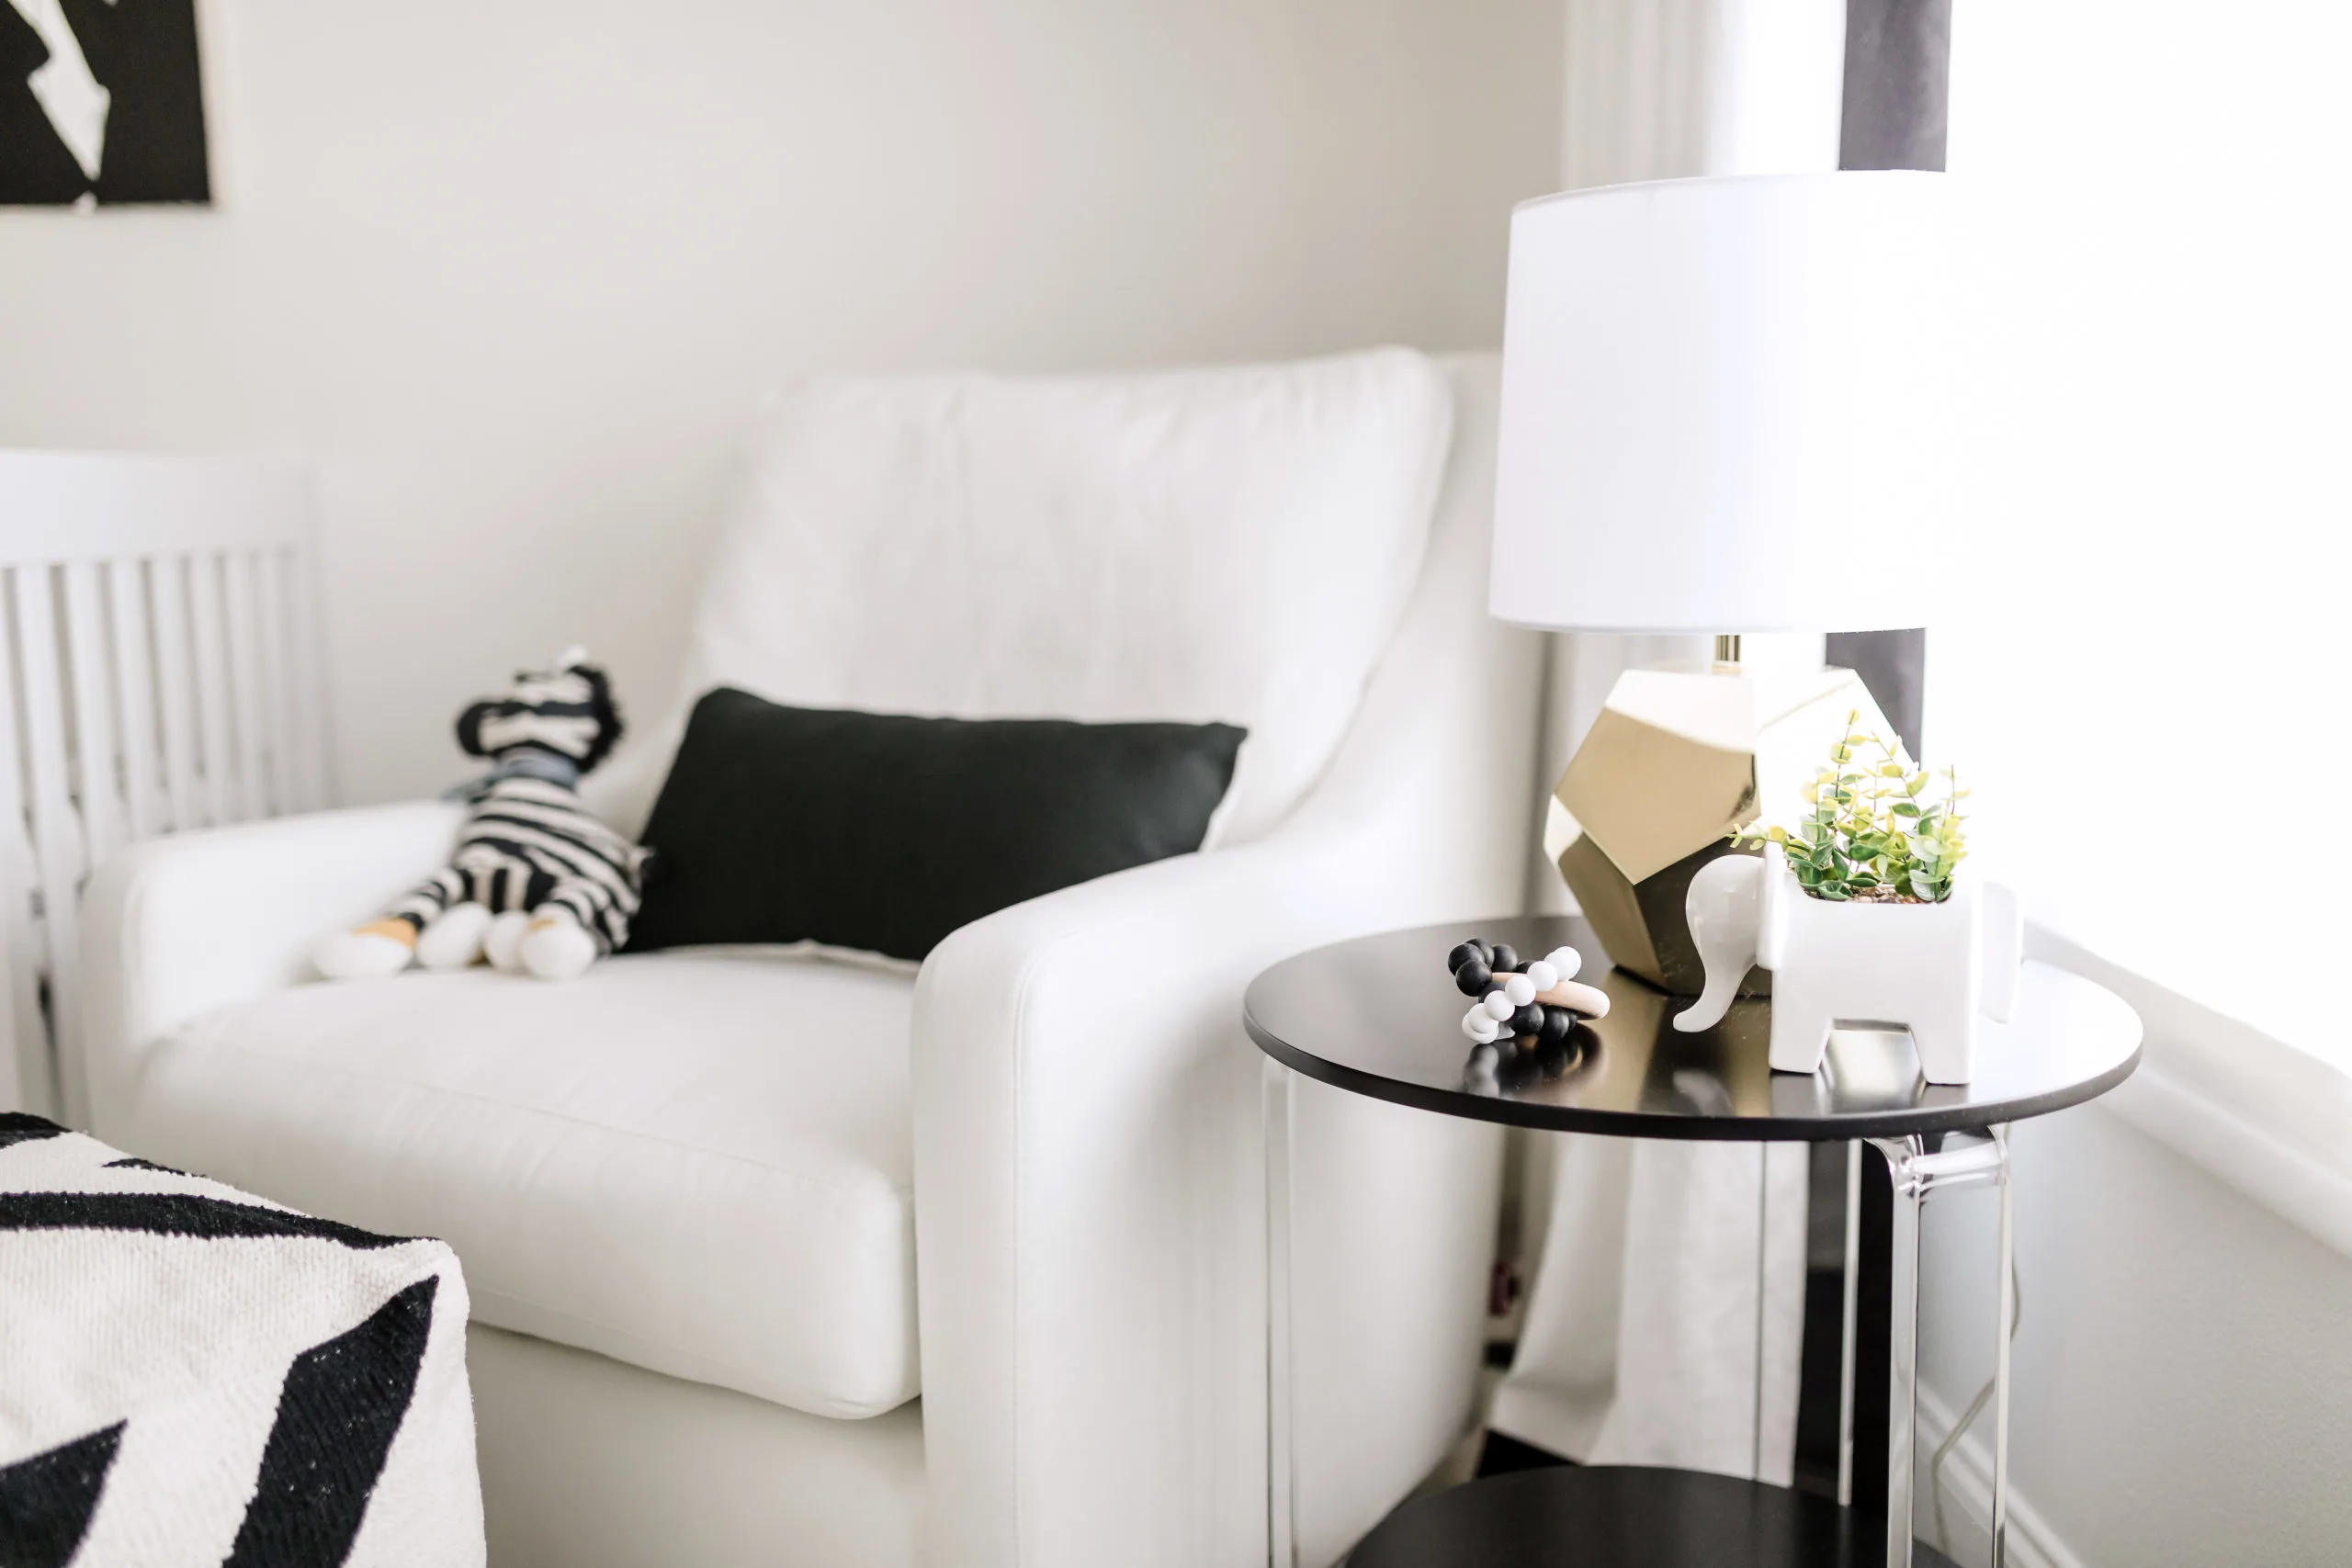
{"points": [[158, 624], [1229, 543]]}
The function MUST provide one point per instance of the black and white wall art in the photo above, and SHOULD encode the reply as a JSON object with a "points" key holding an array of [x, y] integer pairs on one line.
{"points": [[100, 101]]}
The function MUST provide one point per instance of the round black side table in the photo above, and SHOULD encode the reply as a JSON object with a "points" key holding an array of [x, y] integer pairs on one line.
{"points": [[1377, 1017]]}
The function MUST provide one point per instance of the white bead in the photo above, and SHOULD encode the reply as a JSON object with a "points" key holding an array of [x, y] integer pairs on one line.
{"points": [[1518, 990], [1499, 1004], [1478, 1026], [1566, 960], [1542, 976]]}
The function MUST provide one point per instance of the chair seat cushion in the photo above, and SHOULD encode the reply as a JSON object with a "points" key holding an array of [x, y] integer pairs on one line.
{"points": [[695, 1161]]}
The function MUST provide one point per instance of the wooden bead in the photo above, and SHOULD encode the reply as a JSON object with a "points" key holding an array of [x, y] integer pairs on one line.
{"points": [[1578, 997]]}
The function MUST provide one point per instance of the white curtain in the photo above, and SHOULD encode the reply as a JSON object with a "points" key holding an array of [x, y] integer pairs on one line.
{"points": [[1665, 1319]]}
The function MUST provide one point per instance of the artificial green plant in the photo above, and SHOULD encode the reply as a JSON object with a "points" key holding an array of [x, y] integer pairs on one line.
{"points": [[1874, 830]]}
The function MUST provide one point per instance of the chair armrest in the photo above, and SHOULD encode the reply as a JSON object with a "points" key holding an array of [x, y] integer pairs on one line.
{"points": [[175, 926], [1090, 1209]]}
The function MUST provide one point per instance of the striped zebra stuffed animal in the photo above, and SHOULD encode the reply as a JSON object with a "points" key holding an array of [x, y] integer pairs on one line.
{"points": [[538, 885]]}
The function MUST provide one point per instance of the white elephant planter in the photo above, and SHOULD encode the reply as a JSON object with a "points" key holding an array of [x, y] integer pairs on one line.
{"points": [[1928, 968]]}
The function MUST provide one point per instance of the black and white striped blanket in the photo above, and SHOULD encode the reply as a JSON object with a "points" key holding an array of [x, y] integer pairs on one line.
{"points": [[192, 1375]]}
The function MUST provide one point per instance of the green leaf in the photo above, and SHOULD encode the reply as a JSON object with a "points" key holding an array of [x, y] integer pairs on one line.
{"points": [[1905, 808]]}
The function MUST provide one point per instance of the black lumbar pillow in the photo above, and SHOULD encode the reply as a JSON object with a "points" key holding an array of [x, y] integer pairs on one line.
{"points": [[884, 832]]}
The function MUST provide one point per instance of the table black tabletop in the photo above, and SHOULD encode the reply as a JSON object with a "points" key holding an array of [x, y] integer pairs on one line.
{"points": [[1379, 1016]]}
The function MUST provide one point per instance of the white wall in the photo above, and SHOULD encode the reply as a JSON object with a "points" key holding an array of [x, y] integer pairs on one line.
{"points": [[2183, 1375], [512, 274]]}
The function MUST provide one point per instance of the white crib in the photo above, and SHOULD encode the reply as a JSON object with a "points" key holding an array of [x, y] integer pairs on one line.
{"points": [[160, 628]]}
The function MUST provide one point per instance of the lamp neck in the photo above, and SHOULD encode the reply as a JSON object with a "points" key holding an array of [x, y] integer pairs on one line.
{"points": [[1728, 651]]}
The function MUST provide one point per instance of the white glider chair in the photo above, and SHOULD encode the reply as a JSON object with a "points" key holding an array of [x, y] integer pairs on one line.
{"points": [[727, 1214]]}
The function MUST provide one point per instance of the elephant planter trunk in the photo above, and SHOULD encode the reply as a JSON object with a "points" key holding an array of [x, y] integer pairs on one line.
{"points": [[1928, 968]]}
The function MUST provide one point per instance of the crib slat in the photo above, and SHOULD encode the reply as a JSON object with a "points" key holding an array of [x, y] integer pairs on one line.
{"points": [[214, 722], [248, 712], [306, 684], [59, 863], [277, 697], [95, 747], [175, 688], [27, 1076], [135, 697]]}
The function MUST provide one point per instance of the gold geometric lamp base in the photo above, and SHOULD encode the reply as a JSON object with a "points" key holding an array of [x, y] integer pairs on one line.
{"points": [[1677, 761]]}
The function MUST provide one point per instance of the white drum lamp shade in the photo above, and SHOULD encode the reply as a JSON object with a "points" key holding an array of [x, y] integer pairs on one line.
{"points": [[1726, 405]]}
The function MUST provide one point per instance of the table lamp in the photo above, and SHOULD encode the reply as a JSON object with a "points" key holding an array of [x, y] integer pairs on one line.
{"points": [[1724, 409]]}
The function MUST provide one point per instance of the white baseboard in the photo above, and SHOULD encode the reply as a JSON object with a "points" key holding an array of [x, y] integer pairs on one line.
{"points": [[1968, 1498]]}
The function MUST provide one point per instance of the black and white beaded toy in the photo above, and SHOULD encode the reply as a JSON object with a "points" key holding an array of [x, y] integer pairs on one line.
{"points": [[1538, 1001]]}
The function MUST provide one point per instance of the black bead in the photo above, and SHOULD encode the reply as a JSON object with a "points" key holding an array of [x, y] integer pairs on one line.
{"points": [[1557, 1022], [1471, 977], [1505, 961], [1527, 1020], [1462, 953]]}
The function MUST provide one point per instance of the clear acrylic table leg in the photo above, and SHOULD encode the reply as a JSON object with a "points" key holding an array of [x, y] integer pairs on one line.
{"points": [[1850, 1321], [2006, 1326], [1763, 1258], [1282, 1542], [1957, 1159]]}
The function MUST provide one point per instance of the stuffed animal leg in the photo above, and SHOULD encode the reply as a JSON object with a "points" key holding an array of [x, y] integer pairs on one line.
{"points": [[387, 945], [504, 945], [558, 945], [379, 947], [453, 939]]}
